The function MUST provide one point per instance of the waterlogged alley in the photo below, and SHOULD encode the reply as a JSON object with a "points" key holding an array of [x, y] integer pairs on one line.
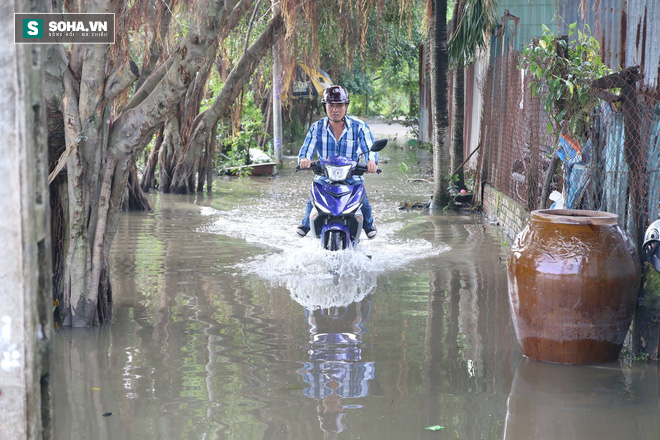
{"points": [[226, 325]]}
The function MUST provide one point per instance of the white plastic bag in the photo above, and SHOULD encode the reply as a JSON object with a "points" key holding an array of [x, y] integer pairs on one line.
{"points": [[557, 199]]}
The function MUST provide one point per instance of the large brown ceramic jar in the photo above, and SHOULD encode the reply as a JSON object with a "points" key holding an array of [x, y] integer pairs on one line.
{"points": [[573, 280]]}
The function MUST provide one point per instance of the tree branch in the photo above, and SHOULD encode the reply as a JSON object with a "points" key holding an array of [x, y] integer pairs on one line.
{"points": [[232, 19], [233, 85], [152, 81], [615, 80], [121, 79], [237, 76], [607, 96], [136, 124]]}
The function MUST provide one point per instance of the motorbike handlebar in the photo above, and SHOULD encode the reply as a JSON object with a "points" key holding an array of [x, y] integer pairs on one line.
{"points": [[361, 169], [316, 166], [311, 167]]}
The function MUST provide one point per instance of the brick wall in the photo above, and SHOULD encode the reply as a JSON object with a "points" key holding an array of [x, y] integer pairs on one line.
{"points": [[502, 209]]}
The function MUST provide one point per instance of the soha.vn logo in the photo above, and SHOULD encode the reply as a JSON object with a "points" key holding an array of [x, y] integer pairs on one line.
{"points": [[33, 28]]}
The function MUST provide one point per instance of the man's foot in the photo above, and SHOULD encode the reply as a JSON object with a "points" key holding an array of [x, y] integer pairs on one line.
{"points": [[371, 231], [302, 230]]}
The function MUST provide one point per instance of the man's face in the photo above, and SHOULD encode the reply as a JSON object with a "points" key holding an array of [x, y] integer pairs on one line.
{"points": [[336, 112]]}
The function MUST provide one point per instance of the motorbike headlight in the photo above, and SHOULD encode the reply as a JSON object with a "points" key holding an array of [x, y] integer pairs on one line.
{"points": [[338, 174]]}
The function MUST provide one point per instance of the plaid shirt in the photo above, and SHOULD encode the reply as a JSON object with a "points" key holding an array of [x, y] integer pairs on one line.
{"points": [[355, 139]]}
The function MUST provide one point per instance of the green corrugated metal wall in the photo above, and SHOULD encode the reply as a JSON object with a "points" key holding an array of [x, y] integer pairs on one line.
{"points": [[532, 14]]}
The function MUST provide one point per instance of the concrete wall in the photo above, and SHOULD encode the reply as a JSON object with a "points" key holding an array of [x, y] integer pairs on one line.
{"points": [[502, 209], [25, 270]]}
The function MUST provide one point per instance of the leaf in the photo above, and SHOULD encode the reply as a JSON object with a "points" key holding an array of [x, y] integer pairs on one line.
{"points": [[95, 389], [434, 428], [561, 115], [549, 127]]}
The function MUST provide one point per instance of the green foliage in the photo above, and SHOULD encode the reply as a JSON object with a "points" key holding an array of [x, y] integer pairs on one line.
{"points": [[641, 358], [475, 20], [452, 186], [563, 70], [386, 74], [250, 113], [469, 179], [412, 123], [298, 129], [237, 150]]}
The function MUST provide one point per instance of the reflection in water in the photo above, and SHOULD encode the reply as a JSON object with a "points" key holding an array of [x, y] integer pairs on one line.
{"points": [[551, 401], [335, 371]]}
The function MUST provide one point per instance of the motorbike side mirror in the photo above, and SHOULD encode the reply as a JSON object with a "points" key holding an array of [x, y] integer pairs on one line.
{"points": [[379, 145]]}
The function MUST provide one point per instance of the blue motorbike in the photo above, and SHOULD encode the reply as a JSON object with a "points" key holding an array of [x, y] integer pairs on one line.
{"points": [[337, 199]]}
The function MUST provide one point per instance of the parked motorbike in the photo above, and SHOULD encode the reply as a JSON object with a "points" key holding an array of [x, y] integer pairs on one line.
{"points": [[336, 218]]}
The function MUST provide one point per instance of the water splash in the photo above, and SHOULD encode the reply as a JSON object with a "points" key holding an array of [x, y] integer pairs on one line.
{"points": [[317, 278]]}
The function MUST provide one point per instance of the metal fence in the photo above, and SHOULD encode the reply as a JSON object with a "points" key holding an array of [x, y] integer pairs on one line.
{"points": [[617, 169]]}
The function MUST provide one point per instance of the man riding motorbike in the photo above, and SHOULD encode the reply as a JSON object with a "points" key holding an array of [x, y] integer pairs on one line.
{"points": [[339, 135]]}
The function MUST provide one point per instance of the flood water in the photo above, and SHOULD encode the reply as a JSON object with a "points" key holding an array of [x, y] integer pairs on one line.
{"points": [[227, 326]]}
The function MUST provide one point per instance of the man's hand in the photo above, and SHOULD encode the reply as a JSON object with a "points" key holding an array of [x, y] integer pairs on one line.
{"points": [[371, 167], [305, 163]]}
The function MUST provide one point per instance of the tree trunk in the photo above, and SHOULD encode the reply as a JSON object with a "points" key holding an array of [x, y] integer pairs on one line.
{"points": [[439, 103], [267, 121], [240, 73], [134, 199], [149, 174], [211, 154], [98, 155], [171, 141], [188, 110], [205, 171]]}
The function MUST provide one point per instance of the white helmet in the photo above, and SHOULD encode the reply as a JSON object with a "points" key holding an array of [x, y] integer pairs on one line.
{"points": [[651, 246]]}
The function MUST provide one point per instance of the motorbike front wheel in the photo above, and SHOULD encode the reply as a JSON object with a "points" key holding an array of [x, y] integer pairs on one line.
{"points": [[336, 241]]}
